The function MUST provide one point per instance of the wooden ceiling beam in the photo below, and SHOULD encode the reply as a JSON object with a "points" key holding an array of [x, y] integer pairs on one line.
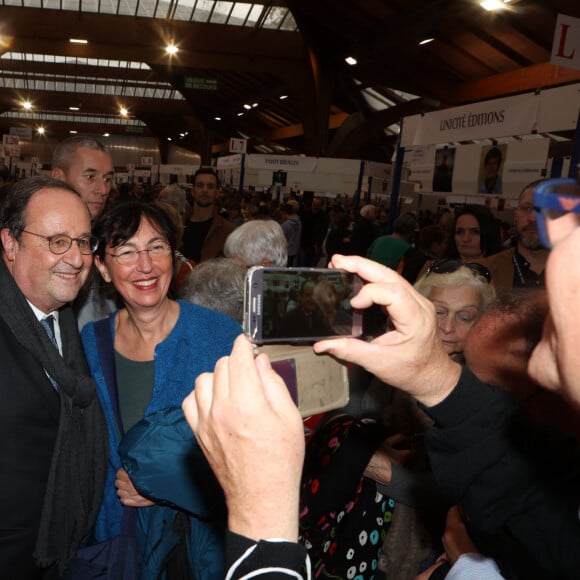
{"points": [[297, 130], [525, 79], [200, 45]]}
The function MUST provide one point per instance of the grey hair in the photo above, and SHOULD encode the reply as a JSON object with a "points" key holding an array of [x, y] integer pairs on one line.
{"points": [[15, 204], [365, 209], [217, 284], [64, 151], [463, 276], [257, 241]]}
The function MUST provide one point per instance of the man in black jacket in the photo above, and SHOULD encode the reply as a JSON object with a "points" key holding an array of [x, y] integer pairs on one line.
{"points": [[52, 430]]}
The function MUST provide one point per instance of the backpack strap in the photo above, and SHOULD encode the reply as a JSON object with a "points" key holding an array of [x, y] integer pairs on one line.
{"points": [[106, 351]]}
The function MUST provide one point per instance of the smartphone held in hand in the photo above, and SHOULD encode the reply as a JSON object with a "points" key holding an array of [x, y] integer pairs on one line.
{"points": [[298, 305]]}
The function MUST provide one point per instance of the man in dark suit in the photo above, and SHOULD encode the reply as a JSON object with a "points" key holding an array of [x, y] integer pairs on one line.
{"points": [[50, 418]]}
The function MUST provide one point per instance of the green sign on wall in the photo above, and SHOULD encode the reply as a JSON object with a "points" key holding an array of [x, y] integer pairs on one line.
{"points": [[200, 84]]}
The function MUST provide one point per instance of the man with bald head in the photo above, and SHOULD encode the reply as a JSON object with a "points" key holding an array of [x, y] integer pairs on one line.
{"points": [[51, 425]]}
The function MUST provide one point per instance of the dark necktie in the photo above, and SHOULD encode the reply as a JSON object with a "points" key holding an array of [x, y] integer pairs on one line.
{"points": [[48, 325]]}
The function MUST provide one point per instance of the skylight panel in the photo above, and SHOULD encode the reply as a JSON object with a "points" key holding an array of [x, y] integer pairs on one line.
{"points": [[127, 7], [91, 5], [107, 6], [274, 17], [202, 10], [255, 14], [239, 13], [221, 12], [146, 8], [48, 58], [71, 5]]}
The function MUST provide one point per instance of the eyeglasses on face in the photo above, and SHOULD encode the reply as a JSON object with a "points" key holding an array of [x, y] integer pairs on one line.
{"points": [[61, 243], [557, 207], [127, 256], [450, 265]]}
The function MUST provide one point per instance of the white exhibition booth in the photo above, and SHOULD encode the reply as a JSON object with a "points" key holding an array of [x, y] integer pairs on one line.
{"points": [[520, 128], [327, 177]]}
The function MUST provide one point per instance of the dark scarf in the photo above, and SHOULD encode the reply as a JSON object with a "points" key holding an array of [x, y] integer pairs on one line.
{"points": [[79, 460]]}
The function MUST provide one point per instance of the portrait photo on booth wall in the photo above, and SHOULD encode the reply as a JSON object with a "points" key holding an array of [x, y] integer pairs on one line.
{"points": [[491, 169], [443, 173]]}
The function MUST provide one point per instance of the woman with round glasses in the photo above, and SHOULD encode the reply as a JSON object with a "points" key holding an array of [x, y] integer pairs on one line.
{"points": [[460, 291], [145, 359]]}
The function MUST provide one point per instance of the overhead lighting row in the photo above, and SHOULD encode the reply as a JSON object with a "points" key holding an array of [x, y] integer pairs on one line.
{"points": [[170, 49], [27, 106]]}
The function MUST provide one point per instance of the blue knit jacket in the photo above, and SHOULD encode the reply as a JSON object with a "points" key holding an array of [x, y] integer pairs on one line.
{"points": [[200, 337]]}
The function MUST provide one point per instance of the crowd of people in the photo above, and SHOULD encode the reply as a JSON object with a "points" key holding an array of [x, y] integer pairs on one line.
{"points": [[144, 439]]}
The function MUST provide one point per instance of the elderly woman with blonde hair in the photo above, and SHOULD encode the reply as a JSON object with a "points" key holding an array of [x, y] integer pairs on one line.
{"points": [[460, 291]]}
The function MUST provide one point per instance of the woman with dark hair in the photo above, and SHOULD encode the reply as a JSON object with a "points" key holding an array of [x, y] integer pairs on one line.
{"points": [[145, 359], [477, 234]]}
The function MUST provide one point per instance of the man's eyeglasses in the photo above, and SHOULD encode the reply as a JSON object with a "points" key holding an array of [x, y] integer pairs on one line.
{"points": [[557, 207], [61, 243], [450, 265], [128, 256]]}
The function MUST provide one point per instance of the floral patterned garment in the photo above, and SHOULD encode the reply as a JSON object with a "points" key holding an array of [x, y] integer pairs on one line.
{"points": [[343, 519]]}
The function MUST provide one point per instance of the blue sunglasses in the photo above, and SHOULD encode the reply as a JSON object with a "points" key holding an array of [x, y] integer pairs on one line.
{"points": [[553, 199]]}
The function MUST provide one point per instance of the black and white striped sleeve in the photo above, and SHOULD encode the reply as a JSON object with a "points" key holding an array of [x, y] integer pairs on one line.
{"points": [[271, 559]]}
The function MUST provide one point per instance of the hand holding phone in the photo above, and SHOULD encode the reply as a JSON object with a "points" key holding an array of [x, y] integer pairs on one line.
{"points": [[293, 305]]}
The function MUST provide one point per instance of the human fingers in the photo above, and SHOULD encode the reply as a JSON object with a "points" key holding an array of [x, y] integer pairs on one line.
{"points": [[274, 387], [426, 574], [543, 364], [368, 270], [242, 370], [190, 409], [456, 540]]}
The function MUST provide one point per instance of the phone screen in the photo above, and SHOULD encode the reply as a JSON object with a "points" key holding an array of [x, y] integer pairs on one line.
{"points": [[301, 304]]}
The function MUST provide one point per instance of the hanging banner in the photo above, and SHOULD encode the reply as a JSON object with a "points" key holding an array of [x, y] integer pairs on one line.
{"points": [[229, 161], [488, 119], [287, 162], [566, 45]]}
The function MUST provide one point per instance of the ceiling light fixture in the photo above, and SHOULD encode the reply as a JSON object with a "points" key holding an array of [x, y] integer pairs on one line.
{"points": [[241, 114], [73, 132], [426, 41], [106, 134], [282, 97], [350, 60], [27, 105], [254, 105], [491, 5], [74, 109], [169, 138], [218, 118], [123, 112], [40, 130], [171, 49], [247, 107], [78, 41]]}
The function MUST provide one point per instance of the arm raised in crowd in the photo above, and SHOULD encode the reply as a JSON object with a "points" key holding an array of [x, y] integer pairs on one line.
{"points": [[252, 435]]}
